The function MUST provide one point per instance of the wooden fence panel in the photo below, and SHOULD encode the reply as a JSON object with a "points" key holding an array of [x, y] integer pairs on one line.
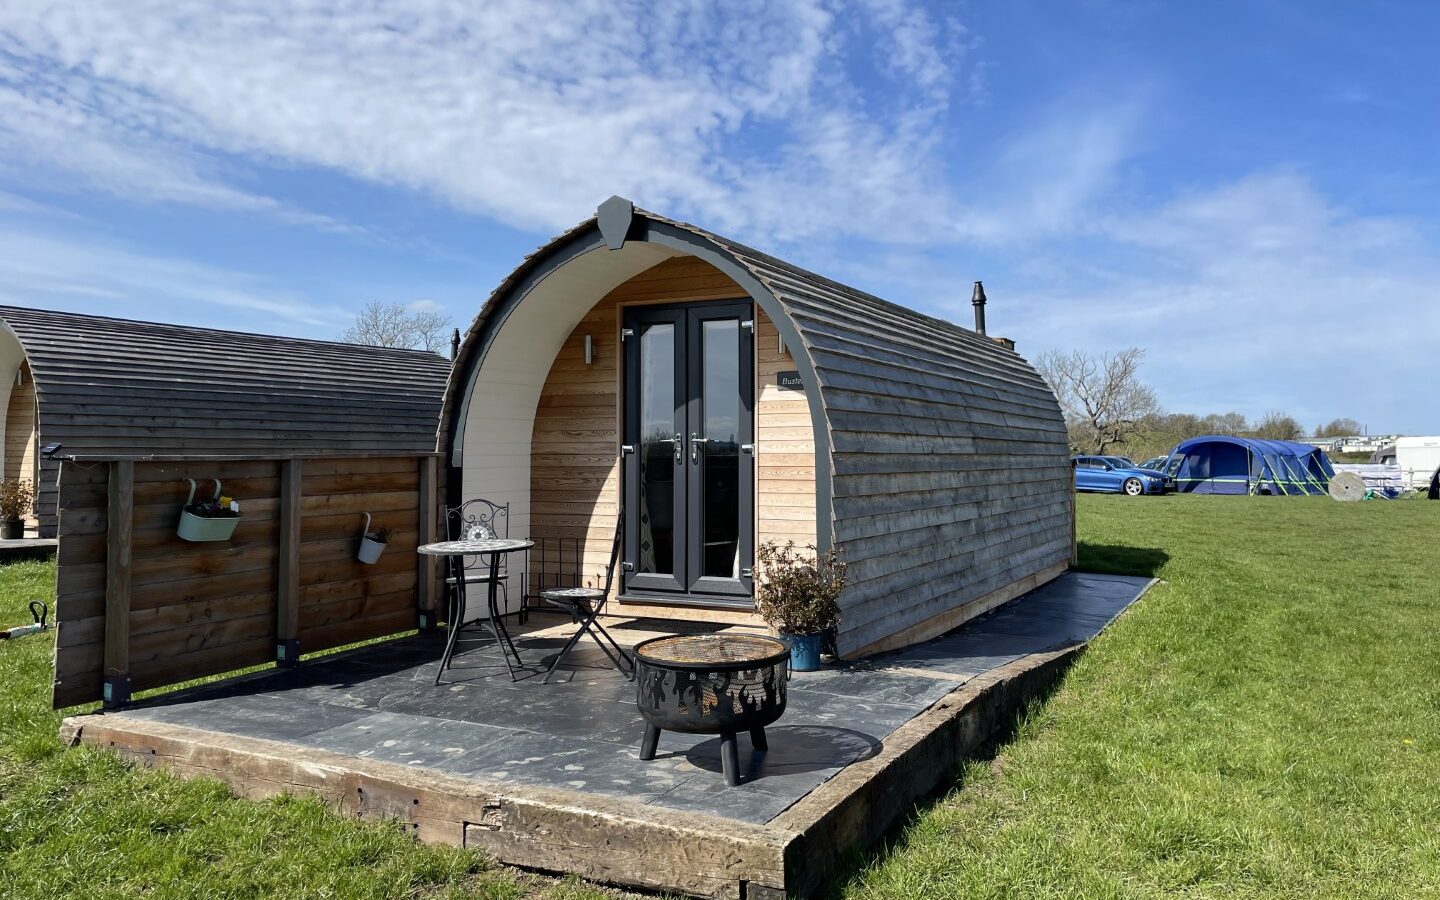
{"points": [[366, 600], [140, 608]]}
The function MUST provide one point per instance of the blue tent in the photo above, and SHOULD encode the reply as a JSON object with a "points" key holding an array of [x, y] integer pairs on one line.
{"points": [[1218, 464]]}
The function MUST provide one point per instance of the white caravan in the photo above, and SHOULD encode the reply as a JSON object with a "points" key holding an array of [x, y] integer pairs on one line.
{"points": [[1418, 458]]}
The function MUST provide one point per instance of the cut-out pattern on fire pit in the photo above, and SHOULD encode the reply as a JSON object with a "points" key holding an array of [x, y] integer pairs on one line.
{"points": [[711, 684]]}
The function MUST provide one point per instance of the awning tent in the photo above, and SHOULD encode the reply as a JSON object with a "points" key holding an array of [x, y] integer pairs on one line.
{"points": [[1220, 464]]}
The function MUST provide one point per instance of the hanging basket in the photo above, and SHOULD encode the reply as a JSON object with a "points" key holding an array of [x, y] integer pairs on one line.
{"points": [[370, 549], [205, 528]]}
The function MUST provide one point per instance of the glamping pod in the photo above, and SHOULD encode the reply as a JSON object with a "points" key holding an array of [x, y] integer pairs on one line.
{"points": [[722, 398], [106, 387]]}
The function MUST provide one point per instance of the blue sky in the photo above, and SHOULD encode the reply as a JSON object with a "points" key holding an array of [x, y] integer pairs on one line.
{"points": [[1246, 190]]}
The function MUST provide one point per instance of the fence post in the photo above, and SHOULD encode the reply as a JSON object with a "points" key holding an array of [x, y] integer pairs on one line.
{"points": [[425, 596], [1074, 527], [287, 592], [120, 514]]}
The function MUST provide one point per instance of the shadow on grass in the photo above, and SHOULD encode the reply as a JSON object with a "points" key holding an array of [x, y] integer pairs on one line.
{"points": [[1111, 559], [857, 860]]}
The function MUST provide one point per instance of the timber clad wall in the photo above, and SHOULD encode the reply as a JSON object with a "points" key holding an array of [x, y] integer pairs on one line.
{"points": [[195, 609], [784, 447], [950, 465], [20, 447], [113, 387], [575, 473]]}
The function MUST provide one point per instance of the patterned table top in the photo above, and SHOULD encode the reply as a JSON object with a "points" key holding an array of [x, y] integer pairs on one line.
{"points": [[467, 548]]}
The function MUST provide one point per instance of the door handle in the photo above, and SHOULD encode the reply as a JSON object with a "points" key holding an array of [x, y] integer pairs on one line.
{"points": [[679, 448], [695, 442]]}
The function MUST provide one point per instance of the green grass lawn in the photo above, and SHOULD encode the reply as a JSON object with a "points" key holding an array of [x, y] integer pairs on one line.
{"points": [[80, 823], [1265, 723]]}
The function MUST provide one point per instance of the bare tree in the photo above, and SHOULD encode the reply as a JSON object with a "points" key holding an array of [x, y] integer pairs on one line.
{"points": [[1231, 423], [1277, 426], [1103, 398], [398, 325], [1340, 428]]}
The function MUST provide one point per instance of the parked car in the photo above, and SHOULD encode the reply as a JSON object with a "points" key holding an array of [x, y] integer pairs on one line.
{"points": [[1155, 463], [1101, 473]]}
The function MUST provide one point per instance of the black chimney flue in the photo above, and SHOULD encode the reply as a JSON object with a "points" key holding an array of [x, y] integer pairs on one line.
{"points": [[454, 344], [977, 300]]}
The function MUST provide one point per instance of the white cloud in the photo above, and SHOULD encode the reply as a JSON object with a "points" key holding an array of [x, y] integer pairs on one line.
{"points": [[1257, 294], [522, 110], [88, 273]]}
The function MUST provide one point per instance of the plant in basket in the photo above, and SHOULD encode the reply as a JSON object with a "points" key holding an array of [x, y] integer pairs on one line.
{"points": [[17, 499], [218, 508], [798, 595], [208, 520], [372, 543]]}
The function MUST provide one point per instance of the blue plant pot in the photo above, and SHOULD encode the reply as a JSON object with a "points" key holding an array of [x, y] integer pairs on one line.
{"points": [[804, 651]]}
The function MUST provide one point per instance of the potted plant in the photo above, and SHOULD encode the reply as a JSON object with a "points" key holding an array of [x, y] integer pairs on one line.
{"points": [[17, 498], [798, 596], [208, 520], [372, 542]]}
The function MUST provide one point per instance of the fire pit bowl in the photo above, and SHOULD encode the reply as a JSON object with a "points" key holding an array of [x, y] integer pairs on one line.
{"points": [[711, 684]]}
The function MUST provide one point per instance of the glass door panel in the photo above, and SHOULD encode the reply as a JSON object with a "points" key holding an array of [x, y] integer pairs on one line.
{"points": [[689, 472], [655, 502], [721, 491]]}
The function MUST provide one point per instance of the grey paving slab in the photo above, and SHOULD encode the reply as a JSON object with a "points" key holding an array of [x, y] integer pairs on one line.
{"points": [[863, 681], [875, 717], [548, 712], [799, 759], [406, 739], [1050, 629], [573, 764], [261, 715]]}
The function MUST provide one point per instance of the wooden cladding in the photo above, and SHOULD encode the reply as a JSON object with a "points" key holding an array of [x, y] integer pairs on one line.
{"points": [[575, 473], [140, 608]]}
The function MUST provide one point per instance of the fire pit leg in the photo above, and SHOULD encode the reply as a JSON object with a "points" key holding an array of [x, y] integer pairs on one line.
{"points": [[730, 758], [649, 742], [757, 738]]}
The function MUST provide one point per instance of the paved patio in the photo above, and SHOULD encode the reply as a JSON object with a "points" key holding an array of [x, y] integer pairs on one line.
{"points": [[581, 733]]}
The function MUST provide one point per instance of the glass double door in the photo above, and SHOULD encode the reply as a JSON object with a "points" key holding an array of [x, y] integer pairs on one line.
{"points": [[688, 451]]}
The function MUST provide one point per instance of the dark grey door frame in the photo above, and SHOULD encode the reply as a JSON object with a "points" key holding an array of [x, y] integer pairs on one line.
{"points": [[636, 322], [688, 584]]}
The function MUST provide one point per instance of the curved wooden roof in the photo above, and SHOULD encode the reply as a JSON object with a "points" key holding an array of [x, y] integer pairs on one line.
{"points": [[942, 463], [118, 387]]}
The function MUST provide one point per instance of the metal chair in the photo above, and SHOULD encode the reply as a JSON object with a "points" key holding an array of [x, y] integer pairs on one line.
{"points": [[476, 520], [480, 519], [584, 604]]}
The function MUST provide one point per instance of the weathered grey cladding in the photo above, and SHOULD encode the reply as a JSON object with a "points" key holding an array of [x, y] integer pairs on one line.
{"points": [[113, 387], [950, 467]]}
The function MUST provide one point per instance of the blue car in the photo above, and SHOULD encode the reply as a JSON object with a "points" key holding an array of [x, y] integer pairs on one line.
{"points": [[1116, 474]]}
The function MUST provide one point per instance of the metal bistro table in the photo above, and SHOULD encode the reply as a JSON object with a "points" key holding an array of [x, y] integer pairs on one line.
{"points": [[455, 552]]}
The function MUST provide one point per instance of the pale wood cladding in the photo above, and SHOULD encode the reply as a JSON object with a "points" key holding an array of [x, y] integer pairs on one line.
{"points": [[20, 449], [575, 474], [199, 609]]}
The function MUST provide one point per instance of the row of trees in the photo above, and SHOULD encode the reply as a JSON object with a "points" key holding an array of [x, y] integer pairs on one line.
{"points": [[398, 325], [1109, 409]]}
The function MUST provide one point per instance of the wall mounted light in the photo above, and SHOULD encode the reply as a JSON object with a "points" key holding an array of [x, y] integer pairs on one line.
{"points": [[780, 343], [589, 350]]}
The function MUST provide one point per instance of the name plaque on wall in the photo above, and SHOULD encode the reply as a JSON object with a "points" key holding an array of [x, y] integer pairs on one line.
{"points": [[789, 381]]}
